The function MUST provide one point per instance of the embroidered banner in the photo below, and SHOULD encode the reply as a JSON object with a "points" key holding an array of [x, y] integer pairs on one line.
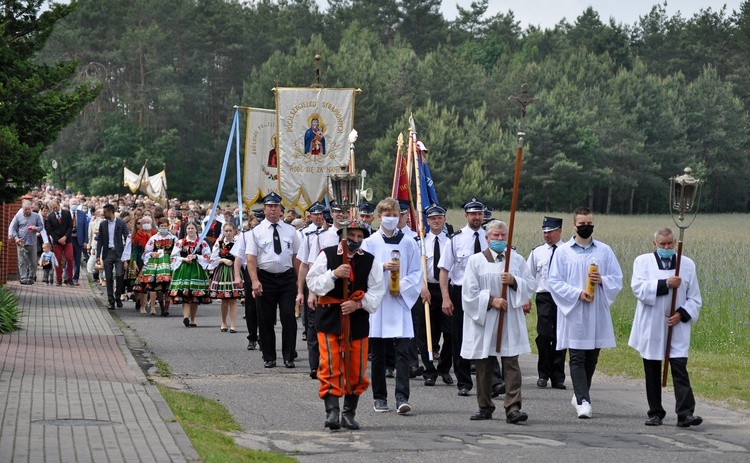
{"points": [[313, 131], [260, 175]]}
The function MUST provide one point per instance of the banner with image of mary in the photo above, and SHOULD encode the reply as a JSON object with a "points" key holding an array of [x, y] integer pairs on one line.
{"points": [[313, 126], [260, 174]]}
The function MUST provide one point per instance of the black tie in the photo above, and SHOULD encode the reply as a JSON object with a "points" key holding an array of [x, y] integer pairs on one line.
{"points": [[276, 239], [666, 263], [554, 248], [477, 247], [436, 258], [58, 216]]}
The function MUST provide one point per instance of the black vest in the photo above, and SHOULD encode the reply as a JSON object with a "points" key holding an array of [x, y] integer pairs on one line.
{"points": [[328, 318]]}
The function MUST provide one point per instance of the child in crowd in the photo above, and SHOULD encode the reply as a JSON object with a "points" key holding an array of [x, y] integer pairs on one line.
{"points": [[48, 262]]}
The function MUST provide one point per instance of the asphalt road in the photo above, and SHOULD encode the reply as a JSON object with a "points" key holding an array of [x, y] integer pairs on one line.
{"points": [[280, 411]]}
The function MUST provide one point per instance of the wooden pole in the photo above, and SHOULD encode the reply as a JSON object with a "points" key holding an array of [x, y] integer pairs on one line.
{"points": [[421, 231], [672, 310], [524, 100]]}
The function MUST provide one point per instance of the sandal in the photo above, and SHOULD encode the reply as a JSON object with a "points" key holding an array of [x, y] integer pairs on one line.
{"points": [[232, 330], [224, 330], [192, 325]]}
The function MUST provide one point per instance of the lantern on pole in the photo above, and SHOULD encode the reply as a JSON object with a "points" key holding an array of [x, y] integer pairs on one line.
{"points": [[683, 200]]}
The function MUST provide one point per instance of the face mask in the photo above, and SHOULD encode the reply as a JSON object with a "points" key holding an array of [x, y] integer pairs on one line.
{"points": [[84, 210], [352, 245], [665, 253], [585, 231], [73, 207], [389, 223], [498, 246], [146, 226], [163, 231]]}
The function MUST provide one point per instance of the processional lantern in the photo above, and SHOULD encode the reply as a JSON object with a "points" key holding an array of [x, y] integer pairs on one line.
{"points": [[683, 192], [344, 189]]}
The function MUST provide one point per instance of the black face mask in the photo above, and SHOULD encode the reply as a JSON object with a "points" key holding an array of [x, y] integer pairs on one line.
{"points": [[584, 231], [352, 245]]}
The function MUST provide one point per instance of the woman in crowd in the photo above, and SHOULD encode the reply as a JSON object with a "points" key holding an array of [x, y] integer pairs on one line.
{"points": [[156, 275], [189, 285], [143, 233], [222, 283]]}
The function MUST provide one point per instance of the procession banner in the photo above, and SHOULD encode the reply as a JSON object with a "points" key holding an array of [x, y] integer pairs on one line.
{"points": [[132, 180], [261, 172], [156, 187], [313, 126]]}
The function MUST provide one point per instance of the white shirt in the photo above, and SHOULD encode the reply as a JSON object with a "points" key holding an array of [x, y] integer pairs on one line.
{"points": [[324, 239], [261, 246], [457, 252], [320, 281], [111, 228], [538, 263], [429, 251], [306, 235]]}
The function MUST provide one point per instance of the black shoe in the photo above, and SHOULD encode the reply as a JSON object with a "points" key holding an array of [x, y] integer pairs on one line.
{"points": [[447, 378], [498, 390], [349, 411], [186, 322], [270, 364], [654, 421], [481, 415], [559, 386], [59, 283], [389, 373], [137, 305], [24, 281], [541, 382], [688, 421], [119, 304], [463, 392], [516, 417], [416, 371], [289, 363], [429, 381], [304, 336], [251, 345], [111, 307]]}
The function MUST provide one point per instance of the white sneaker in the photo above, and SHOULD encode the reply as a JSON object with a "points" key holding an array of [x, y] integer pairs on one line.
{"points": [[573, 401], [403, 408], [584, 410]]}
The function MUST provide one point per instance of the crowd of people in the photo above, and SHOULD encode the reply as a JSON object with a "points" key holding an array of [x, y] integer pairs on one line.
{"points": [[361, 292]]}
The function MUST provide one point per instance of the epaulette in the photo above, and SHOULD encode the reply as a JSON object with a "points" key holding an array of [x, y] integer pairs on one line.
{"points": [[454, 234], [311, 232]]}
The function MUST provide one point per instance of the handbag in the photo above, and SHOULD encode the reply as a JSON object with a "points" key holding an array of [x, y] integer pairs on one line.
{"points": [[91, 264]]}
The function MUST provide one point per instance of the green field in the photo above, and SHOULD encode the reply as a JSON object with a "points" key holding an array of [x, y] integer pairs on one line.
{"points": [[719, 363]]}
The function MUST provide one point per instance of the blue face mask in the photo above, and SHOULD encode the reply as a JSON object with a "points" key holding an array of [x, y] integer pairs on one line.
{"points": [[665, 253], [73, 207], [498, 246]]}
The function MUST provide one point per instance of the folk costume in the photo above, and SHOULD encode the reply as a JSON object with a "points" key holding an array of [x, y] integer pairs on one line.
{"points": [[222, 282], [482, 283], [364, 285], [157, 271], [137, 246], [649, 333], [189, 279]]}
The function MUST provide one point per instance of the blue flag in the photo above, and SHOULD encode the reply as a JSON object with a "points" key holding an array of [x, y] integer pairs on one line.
{"points": [[429, 195]]}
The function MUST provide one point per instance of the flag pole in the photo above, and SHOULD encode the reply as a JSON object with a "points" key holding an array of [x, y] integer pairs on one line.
{"points": [[421, 231], [524, 100], [397, 170]]}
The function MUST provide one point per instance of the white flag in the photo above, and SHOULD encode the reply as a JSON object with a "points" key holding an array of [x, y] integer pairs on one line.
{"points": [[313, 128], [260, 175]]}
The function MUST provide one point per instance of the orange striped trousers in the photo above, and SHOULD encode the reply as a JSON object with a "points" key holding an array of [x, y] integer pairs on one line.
{"points": [[332, 371]]}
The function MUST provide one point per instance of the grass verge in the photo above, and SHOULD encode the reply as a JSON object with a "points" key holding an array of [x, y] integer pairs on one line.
{"points": [[208, 425]]}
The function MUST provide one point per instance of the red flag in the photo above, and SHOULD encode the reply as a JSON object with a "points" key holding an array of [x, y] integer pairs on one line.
{"points": [[403, 190]]}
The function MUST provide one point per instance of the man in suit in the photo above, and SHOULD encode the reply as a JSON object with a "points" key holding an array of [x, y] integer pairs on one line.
{"points": [[113, 233], [79, 237], [60, 231]]}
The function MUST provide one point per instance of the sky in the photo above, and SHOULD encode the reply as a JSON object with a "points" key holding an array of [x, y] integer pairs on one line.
{"points": [[547, 13]]}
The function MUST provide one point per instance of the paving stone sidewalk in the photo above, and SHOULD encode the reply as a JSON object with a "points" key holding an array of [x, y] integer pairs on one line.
{"points": [[70, 390]]}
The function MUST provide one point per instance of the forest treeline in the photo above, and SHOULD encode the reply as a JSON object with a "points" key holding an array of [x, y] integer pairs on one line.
{"points": [[622, 107]]}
